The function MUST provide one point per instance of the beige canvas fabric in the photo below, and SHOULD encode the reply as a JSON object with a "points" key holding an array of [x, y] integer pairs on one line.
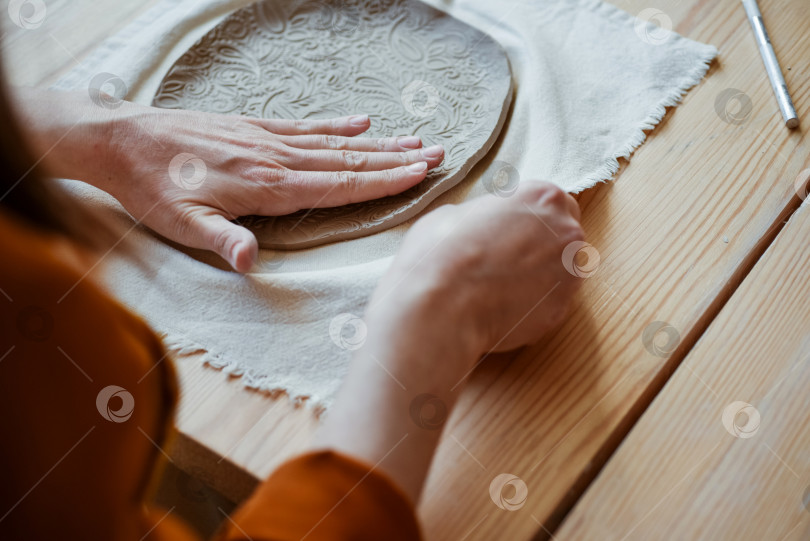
{"points": [[589, 79]]}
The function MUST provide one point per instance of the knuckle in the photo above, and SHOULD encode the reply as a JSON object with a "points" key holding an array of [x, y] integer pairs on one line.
{"points": [[276, 175], [262, 147], [184, 223], [331, 141], [221, 241], [542, 191], [347, 181], [282, 190], [281, 150], [557, 196], [380, 144], [265, 174], [353, 159], [571, 231]]}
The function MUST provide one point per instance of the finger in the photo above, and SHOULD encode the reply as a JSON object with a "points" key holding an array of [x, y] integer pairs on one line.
{"points": [[346, 126], [363, 144], [318, 189], [355, 160], [232, 242], [538, 193], [573, 207]]}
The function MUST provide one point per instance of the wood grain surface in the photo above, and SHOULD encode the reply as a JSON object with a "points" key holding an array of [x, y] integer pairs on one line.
{"points": [[724, 450], [677, 232]]}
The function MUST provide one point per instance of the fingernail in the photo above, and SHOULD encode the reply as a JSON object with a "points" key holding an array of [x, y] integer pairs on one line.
{"points": [[417, 167], [358, 120], [409, 142], [433, 152]]}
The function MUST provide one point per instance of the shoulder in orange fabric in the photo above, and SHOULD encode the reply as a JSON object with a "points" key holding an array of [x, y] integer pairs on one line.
{"points": [[325, 496], [84, 387]]}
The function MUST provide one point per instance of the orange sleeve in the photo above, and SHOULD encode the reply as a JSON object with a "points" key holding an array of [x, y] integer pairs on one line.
{"points": [[324, 496], [85, 398], [160, 525], [87, 394]]}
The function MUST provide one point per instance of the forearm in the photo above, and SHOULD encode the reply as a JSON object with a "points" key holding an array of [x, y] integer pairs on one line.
{"points": [[70, 135], [188, 174], [403, 384]]}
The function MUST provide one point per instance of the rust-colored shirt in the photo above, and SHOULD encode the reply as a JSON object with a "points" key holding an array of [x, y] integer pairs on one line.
{"points": [[87, 394]]}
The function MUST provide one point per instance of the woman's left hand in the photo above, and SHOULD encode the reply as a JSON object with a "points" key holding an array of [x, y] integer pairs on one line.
{"points": [[187, 174]]}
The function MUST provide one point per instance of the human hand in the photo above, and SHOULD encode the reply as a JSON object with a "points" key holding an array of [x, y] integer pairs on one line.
{"points": [[186, 174], [490, 270], [486, 275]]}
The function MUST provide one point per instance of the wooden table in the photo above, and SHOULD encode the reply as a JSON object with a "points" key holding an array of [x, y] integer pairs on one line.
{"points": [[616, 436]]}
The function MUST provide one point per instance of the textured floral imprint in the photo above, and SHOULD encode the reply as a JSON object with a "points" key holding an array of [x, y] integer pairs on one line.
{"points": [[412, 68]]}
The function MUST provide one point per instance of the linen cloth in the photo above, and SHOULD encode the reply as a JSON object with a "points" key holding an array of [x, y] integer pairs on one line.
{"points": [[589, 79]]}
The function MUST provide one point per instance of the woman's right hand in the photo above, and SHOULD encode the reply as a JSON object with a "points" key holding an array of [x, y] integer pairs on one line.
{"points": [[486, 275], [492, 267]]}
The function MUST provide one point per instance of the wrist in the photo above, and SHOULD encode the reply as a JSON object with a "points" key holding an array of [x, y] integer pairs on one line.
{"points": [[427, 314], [404, 380], [70, 134]]}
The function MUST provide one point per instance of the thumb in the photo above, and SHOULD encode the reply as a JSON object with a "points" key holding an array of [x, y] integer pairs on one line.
{"points": [[232, 242]]}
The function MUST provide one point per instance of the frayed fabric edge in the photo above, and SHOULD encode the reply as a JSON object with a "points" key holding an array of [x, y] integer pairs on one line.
{"points": [[639, 135], [180, 345]]}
